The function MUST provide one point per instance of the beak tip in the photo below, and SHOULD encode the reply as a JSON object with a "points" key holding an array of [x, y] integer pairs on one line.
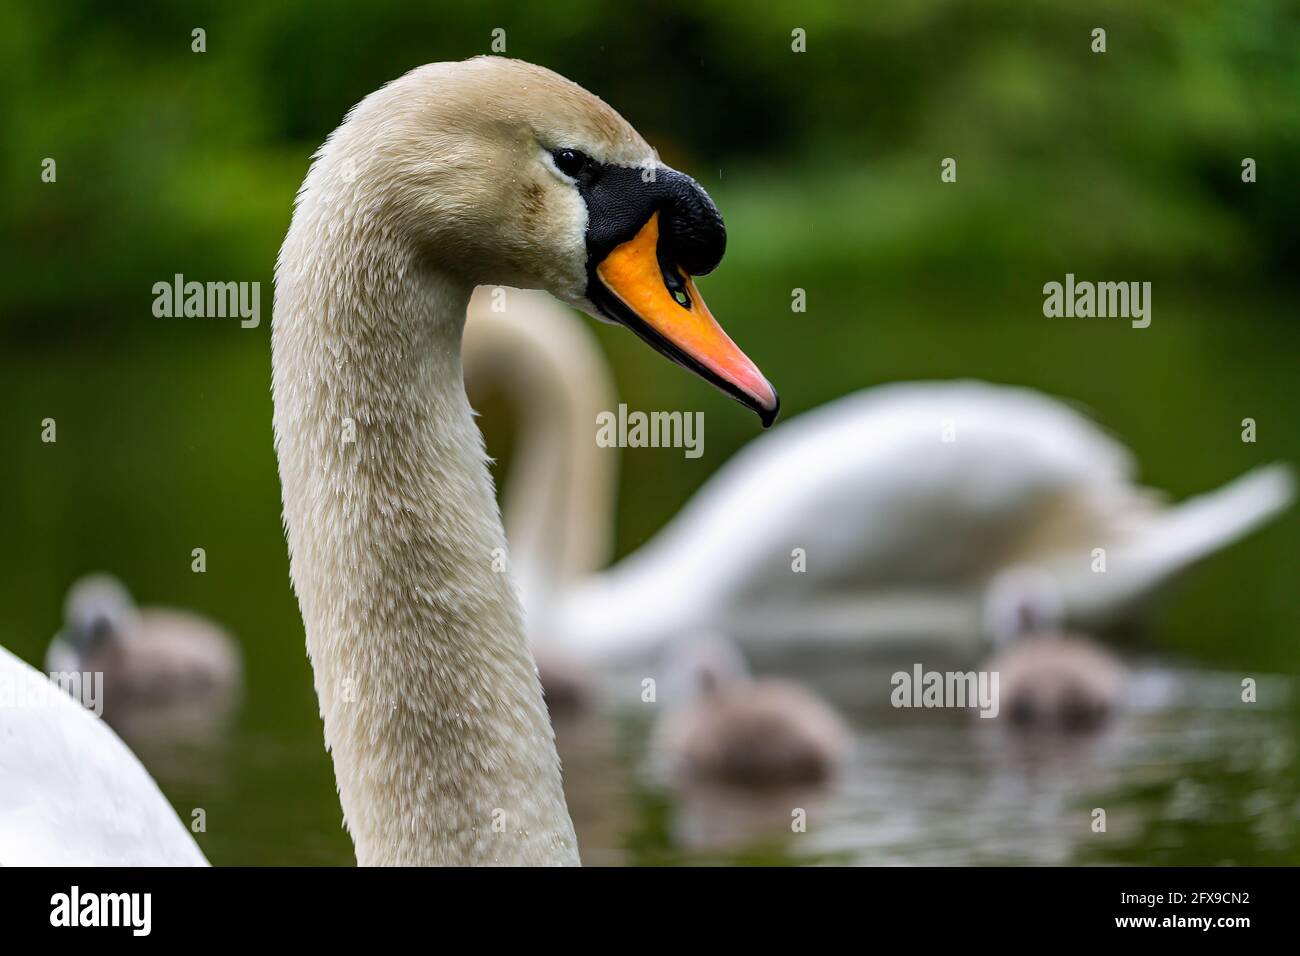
{"points": [[767, 415]]}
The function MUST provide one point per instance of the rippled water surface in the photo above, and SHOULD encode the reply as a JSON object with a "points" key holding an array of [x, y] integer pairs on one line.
{"points": [[1189, 775]]}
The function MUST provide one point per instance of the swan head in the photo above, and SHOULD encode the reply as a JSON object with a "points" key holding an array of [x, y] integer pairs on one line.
{"points": [[500, 172]]}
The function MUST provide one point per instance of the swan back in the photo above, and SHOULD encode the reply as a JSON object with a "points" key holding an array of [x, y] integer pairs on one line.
{"points": [[929, 485], [73, 794]]}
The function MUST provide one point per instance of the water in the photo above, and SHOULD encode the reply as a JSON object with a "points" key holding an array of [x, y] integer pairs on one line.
{"points": [[165, 445], [1188, 775]]}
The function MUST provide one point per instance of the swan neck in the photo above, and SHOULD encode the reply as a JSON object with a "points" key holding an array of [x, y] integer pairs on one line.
{"points": [[558, 500], [442, 748]]}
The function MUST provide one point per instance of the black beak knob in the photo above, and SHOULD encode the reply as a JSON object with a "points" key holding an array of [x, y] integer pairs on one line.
{"points": [[691, 232]]}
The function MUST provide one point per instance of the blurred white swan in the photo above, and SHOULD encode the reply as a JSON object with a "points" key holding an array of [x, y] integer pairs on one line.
{"points": [[73, 794], [558, 505], [905, 501]]}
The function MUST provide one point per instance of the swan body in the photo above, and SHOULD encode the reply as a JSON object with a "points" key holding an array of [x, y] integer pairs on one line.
{"points": [[901, 530], [73, 794], [486, 172], [908, 502]]}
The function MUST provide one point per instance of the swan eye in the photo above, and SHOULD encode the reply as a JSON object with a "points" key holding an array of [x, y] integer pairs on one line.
{"points": [[571, 162]]}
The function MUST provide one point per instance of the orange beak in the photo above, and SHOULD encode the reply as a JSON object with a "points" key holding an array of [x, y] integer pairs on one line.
{"points": [[662, 305]]}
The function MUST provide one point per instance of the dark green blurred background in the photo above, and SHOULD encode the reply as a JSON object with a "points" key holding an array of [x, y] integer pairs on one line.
{"points": [[1120, 166]]}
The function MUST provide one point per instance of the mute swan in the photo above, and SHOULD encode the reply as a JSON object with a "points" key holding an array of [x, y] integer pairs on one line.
{"points": [[455, 175], [724, 727], [149, 657], [906, 502], [489, 171]]}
